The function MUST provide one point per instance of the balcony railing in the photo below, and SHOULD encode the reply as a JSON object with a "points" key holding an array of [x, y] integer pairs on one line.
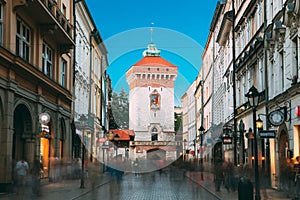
{"points": [[51, 19], [155, 143]]}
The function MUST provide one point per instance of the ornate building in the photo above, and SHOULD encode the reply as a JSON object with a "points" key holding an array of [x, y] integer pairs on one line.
{"points": [[254, 43], [151, 106], [90, 85], [36, 38]]}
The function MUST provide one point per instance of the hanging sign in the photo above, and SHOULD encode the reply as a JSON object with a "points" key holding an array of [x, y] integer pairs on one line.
{"points": [[267, 134], [227, 140], [297, 111]]}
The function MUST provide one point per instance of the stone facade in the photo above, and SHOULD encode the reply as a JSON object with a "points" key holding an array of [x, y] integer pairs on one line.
{"points": [[36, 77], [151, 104]]}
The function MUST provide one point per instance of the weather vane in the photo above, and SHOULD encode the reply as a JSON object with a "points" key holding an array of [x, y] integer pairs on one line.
{"points": [[151, 31]]}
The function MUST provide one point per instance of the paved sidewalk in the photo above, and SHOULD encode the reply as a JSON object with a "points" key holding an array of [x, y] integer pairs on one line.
{"points": [[208, 184], [65, 189]]}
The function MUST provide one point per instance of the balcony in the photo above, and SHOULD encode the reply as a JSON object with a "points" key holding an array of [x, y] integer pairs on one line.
{"points": [[154, 143], [51, 19]]}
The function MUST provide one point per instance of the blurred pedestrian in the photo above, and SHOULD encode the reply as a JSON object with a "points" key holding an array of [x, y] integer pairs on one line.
{"points": [[136, 166], [218, 175], [286, 176], [22, 170], [226, 169], [297, 176], [35, 173]]}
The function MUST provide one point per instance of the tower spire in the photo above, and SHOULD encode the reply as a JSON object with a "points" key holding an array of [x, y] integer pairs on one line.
{"points": [[151, 32]]}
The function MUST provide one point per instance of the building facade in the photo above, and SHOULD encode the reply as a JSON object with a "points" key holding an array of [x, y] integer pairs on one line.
{"points": [[254, 43], [151, 106], [90, 86], [36, 77], [190, 134]]}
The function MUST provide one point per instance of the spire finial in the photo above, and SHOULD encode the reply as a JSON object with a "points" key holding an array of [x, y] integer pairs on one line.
{"points": [[151, 32]]}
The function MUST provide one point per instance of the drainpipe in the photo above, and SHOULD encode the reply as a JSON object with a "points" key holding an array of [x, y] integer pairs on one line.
{"points": [[91, 125], [234, 92], [268, 164]]}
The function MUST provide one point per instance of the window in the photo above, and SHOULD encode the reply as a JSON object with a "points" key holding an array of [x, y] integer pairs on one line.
{"points": [[248, 35], [295, 60], [260, 75], [64, 10], [1, 22], [154, 133], [47, 60], [271, 88], [239, 93], [281, 61], [260, 16], [63, 73], [243, 89], [23, 40]]}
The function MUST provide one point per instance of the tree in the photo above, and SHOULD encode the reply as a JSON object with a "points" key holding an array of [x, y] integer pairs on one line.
{"points": [[178, 122], [119, 110]]}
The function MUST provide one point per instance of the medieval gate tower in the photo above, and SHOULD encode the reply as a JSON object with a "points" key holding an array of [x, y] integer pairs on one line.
{"points": [[151, 106]]}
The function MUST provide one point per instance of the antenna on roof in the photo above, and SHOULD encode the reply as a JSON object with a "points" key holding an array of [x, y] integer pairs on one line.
{"points": [[151, 32]]}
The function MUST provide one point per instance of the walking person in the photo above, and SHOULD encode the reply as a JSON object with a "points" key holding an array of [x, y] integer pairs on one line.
{"points": [[218, 176], [286, 176], [21, 169], [136, 166], [297, 177], [35, 173]]}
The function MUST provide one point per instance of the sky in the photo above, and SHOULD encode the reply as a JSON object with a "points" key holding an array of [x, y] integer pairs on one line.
{"points": [[179, 29]]}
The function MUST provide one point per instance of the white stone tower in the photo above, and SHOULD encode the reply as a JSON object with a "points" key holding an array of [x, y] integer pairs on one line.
{"points": [[151, 103]]}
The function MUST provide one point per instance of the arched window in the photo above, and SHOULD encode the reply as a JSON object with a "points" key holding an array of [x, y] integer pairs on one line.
{"points": [[154, 133]]}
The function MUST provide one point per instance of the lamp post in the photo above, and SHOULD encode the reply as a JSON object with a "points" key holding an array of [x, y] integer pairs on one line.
{"points": [[253, 99], [82, 120], [201, 130], [116, 138], [184, 149], [242, 142], [195, 150]]}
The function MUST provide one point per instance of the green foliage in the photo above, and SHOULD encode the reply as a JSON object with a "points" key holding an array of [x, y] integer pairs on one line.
{"points": [[119, 117], [178, 122]]}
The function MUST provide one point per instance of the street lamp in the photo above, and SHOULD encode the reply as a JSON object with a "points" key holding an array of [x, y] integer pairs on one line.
{"points": [[201, 130], [253, 99], [116, 138], [242, 142], [184, 149], [259, 123], [82, 120]]}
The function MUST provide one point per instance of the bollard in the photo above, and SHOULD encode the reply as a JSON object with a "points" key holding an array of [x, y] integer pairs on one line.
{"points": [[245, 189]]}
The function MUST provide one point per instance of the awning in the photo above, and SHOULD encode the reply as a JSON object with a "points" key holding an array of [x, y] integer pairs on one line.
{"points": [[123, 134]]}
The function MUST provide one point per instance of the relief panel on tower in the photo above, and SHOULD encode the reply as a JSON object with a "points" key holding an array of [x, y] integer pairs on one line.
{"points": [[154, 100]]}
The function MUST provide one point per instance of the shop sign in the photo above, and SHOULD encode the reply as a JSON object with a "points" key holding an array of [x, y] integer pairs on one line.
{"points": [[267, 134], [105, 146], [227, 140], [297, 111], [101, 140]]}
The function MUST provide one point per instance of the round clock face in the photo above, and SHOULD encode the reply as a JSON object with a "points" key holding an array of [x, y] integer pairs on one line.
{"points": [[276, 117], [44, 118]]}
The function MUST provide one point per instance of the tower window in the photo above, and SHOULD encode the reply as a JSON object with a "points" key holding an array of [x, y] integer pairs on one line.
{"points": [[154, 134]]}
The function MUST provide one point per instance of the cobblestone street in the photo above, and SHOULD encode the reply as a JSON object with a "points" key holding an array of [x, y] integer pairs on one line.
{"points": [[168, 184]]}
